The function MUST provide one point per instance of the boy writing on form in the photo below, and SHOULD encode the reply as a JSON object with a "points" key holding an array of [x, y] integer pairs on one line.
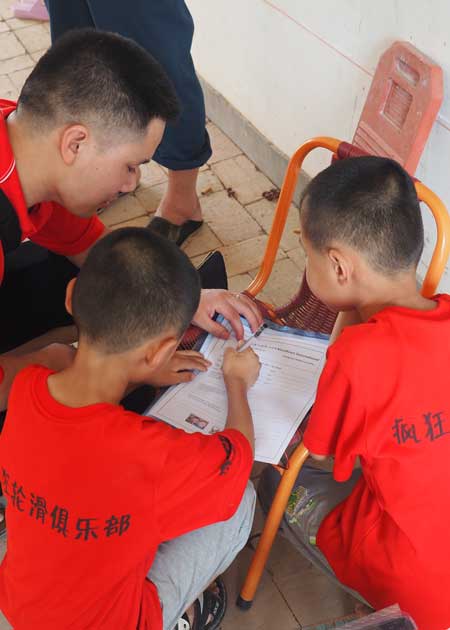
{"points": [[95, 492]]}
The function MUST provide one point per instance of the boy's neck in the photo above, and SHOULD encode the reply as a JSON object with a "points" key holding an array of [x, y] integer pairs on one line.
{"points": [[399, 291], [92, 378]]}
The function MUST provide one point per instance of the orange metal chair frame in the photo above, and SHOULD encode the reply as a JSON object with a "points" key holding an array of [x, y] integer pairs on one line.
{"points": [[436, 268]]}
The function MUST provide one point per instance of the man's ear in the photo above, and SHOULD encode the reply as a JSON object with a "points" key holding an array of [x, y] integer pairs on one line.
{"points": [[341, 264], [69, 293], [71, 141]]}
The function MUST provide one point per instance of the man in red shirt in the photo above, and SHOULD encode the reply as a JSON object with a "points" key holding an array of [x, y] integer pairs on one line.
{"points": [[93, 490], [92, 110], [383, 398]]}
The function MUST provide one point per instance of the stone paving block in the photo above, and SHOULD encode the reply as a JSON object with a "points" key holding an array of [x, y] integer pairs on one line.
{"points": [[34, 37], [241, 282], [197, 260], [202, 242], [10, 46], [240, 257], [7, 88], [136, 222], [283, 283], [152, 174], [310, 594], [17, 23], [298, 257], [269, 610], [150, 197], [124, 209], [38, 54], [8, 66], [6, 12], [3, 26], [228, 219], [19, 77], [263, 211], [207, 183], [243, 178], [223, 148]]}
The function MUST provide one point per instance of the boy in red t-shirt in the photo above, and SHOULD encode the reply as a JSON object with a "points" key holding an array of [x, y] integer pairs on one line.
{"points": [[382, 409], [108, 510]]}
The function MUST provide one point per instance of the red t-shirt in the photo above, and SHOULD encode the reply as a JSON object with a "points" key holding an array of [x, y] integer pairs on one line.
{"points": [[91, 494], [384, 396], [47, 223]]}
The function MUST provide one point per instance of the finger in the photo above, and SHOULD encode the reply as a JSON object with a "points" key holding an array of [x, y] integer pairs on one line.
{"points": [[182, 377], [249, 310], [191, 353], [190, 364], [191, 356], [215, 329], [240, 344], [232, 315]]}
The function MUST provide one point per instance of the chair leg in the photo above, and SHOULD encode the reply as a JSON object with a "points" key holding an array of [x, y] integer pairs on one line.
{"points": [[271, 526]]}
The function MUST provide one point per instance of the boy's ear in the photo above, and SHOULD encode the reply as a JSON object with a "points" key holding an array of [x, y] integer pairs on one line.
{"points": [[341, 264], [69, 293], [71, 140], [158, 354]]}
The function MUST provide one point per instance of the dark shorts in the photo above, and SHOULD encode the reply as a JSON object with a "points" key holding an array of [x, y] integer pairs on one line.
{"points": [[165, 29]]}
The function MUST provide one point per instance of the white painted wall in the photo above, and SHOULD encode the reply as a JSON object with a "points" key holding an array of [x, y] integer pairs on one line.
{"points": [[300, 68]]}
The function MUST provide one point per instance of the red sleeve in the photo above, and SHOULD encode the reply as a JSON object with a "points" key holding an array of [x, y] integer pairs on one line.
{"points": [[336, 424], [203, 481], [65, 233]]}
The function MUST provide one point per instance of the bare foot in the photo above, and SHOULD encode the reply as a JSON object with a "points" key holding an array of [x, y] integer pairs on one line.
{"points": [[180, 202]]}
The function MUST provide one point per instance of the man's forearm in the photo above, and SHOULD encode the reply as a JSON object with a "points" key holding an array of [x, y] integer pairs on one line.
{"points": [[55, 356], [239, 415], [64, 334], [11, 364]]}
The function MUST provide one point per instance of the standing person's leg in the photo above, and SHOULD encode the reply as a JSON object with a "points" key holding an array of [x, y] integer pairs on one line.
{"points": [[166, 29], [183, 568], [66, 15]]}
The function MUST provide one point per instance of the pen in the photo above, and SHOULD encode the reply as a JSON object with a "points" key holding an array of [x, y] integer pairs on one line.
{"points": [[255, 334]]}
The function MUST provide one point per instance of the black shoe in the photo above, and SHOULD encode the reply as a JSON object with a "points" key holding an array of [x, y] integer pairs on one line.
{"points": [[175, 233]]}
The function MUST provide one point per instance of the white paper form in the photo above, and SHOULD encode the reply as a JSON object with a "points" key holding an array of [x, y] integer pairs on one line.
{"points": [[291, 363]]}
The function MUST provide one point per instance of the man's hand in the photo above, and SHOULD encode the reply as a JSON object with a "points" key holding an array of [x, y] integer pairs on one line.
{"points": [[231, 306], [179, 370]]}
